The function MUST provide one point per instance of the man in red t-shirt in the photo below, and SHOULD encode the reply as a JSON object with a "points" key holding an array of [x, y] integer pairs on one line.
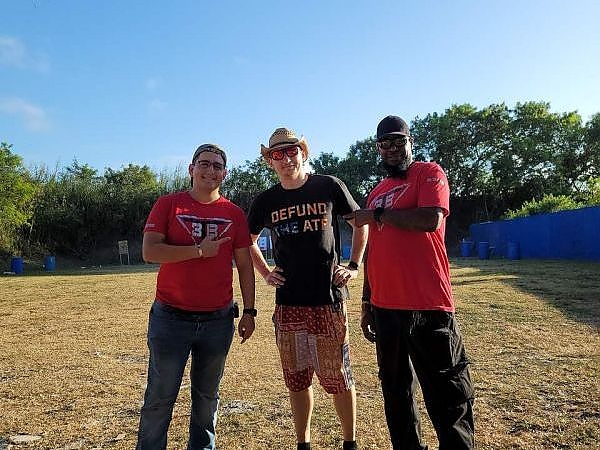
{"points": [[194, 235], [408, 309]]}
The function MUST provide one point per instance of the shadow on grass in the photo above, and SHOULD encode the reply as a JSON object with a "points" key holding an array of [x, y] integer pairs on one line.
{"points": [[89, 270], [571, 286]]}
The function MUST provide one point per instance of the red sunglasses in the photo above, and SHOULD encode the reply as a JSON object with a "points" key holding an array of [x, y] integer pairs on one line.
{"points": [[277, 155]]}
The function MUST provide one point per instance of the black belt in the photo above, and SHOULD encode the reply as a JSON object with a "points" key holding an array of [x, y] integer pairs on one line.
{"points": [[196, 316]]}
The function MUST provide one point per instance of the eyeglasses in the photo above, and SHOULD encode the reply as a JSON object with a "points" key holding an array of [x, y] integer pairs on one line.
{"points": [[386, 144], [277, 155], [204, 164]]}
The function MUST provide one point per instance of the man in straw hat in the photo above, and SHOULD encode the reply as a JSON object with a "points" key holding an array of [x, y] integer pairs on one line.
{"points": [[194, 235], [310, 320], [408, 308]]}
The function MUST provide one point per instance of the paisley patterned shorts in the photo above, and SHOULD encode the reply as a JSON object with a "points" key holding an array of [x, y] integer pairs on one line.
{"points": [[314, 340]]}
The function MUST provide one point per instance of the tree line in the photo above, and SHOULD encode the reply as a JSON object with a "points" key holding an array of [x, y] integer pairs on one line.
{"points": [[500, 161]]}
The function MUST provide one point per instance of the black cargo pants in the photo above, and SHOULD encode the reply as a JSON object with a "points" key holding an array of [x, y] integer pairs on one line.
{"points": [[428, 344]]}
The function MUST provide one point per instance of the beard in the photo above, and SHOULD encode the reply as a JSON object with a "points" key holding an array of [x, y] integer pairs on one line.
{"points": [[397, 170]]}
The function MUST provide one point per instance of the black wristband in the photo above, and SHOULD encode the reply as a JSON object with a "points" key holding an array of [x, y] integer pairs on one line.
{"points": [[377, 213], [353, 265], [250, 311]]}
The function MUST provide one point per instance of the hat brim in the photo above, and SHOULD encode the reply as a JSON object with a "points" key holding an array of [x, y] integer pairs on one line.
{"points": [[264, 151], [395, 133]]}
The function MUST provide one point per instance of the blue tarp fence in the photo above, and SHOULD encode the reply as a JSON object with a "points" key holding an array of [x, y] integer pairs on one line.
{"points": [[572, 234]]}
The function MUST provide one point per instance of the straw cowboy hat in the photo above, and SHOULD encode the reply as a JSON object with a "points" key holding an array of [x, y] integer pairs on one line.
{"points": [[282, 137]]}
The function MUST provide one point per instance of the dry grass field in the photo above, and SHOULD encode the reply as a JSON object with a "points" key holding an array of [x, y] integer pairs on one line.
{"points": [[73, 362]]}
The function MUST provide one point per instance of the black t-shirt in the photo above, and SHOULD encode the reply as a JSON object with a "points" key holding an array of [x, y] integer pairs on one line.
{"points": [[306, 239]]}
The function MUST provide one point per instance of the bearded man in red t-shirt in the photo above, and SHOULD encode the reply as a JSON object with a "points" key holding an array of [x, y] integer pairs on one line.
{"points": [[408, 308]]}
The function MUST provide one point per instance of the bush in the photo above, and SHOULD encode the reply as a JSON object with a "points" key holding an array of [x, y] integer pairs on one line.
{"points": [[549, 203]]}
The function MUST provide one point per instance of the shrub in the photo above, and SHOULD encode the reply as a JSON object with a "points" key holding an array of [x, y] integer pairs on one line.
{"points": [[549, 203]]}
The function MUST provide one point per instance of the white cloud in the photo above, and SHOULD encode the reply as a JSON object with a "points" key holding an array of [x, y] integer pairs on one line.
{"points": [[152, 83], [33, 116], [13, 53]]}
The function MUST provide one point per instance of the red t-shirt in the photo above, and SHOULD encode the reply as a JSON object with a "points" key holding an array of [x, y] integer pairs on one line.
{"points": [[409, 270], [199, 284]]}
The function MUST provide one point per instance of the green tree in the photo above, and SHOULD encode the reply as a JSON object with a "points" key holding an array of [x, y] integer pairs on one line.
{"points": [[128, 194], [546, 148], [66, 211], [497, 158], [591, 193], [461, 141], [592, 146], [360, 169], [79, 211], [245, 182], [16, 192]]}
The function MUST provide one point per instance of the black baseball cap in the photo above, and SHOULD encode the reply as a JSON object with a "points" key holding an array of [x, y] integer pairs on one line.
{"points": [[392, 125]]}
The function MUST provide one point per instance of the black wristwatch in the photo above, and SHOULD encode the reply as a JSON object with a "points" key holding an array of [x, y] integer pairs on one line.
{"points": [[377, 212], [250, 311], [353, 265]]}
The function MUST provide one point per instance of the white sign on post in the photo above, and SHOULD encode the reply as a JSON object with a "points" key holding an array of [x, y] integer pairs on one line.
{"points": [[123, 250]]}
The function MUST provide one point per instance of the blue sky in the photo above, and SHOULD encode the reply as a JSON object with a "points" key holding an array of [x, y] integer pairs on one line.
{"points": [[112, 82]]}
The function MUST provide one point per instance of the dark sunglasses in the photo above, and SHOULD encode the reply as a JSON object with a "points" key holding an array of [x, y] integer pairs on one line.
{"points": [[203, 164], [386, 144], [277, 155]]}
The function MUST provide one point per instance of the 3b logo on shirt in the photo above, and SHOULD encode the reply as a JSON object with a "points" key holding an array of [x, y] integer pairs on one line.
{"points": [[390, 198], [202, 227]]}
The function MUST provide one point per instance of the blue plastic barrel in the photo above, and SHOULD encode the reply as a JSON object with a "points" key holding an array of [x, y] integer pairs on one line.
{"points": [[17, 265], [483, 250], [513, 251], [50, 263], [465, 248], [346, 249]]}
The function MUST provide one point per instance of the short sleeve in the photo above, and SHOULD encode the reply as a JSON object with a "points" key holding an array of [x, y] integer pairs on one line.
{"points": [[433, 189], [158, 219], [344, 202], [242, 235], [255, 216]]}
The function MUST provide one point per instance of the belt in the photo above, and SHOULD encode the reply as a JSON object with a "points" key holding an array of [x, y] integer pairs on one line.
{"points": [[195, 316]]}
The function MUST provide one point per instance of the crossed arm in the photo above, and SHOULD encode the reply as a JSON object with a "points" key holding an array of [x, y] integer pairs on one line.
{"points": [[155, 249], [414, 219]]}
